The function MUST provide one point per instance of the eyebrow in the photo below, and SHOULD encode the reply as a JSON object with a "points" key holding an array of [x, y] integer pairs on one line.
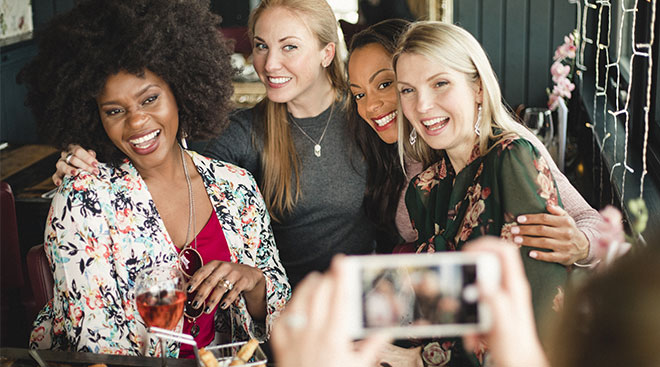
{"points": [[279, 40], [140, 92], [371, 79], [436, 75], [399, 81]]}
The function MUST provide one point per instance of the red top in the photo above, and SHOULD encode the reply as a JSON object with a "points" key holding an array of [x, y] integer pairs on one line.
{"points": [[211, 245]]}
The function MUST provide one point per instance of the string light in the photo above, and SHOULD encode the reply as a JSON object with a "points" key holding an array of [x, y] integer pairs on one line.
{"points": [[604, 7]]}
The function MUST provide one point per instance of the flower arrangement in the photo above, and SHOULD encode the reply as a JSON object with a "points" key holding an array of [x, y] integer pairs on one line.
{"points": [[564, 60], [612, 242]]}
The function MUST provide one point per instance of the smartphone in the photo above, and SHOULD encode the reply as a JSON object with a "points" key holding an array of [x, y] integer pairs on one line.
{"points": [[419, 295]]}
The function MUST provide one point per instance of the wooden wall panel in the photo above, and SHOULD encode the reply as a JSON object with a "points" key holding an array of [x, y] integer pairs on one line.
{"points": [[539, 57], [516, 35], [520, 37], [492, 34]]}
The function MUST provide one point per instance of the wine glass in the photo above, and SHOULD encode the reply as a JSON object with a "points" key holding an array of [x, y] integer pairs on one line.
{"points": [[160, 297], [539, 121]]}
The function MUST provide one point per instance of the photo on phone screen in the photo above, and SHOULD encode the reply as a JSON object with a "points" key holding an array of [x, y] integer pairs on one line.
{"points": [[417, 297], [441, 294]]}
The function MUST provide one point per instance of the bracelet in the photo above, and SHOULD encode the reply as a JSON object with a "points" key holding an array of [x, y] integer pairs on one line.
{"points": [[589, 266]]}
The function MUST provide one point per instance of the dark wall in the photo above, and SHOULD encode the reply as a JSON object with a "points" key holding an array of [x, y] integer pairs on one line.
{"points": [[233, 13], [520, 37], [16, 121]]}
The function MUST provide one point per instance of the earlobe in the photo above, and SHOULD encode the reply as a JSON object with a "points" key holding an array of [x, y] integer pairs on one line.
{"points": [[480, 92]]}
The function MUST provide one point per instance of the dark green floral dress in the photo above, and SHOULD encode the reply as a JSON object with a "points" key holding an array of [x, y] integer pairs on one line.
{"points": [[485, 198]]}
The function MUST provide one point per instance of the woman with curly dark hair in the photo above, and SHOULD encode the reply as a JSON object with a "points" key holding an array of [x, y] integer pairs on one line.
{"points": [[130, 78], [296, 141]]}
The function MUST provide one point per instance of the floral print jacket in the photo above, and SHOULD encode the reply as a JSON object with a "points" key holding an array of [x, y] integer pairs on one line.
{"points": [[102, 230], [485, 198]]}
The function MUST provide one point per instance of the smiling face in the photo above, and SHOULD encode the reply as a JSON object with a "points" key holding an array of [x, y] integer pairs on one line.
{"points": [[440, 102], [288, 58], [140, 116], [372, 85]]}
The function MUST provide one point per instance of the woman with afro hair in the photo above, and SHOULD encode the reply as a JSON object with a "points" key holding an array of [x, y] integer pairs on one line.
{"points": [[130, 79]]}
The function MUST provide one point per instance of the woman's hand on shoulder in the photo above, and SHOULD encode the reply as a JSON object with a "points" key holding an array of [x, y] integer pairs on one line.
{"points": [[74, 158], [556, 231], [225, 281]]}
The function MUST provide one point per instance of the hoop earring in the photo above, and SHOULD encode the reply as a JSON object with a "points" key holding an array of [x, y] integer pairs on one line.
{"points": [[477, 130], [413, 137]]}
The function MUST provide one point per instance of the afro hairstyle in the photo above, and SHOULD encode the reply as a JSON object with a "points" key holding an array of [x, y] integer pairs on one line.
{"points": [[178, 40]]}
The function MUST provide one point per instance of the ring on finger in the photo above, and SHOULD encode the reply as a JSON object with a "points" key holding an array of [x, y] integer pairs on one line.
{"points": [[68, 158], [227, 284]]}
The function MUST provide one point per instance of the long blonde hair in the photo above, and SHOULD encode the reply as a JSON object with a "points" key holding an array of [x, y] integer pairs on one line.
{"points": [[455, 48], [279, 159]]}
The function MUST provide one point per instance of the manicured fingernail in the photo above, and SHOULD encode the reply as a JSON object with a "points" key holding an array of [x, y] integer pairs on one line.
{"points": [[73, 172], [207, 309], [95, 164], [515, 230], [522, 219], [518, 239], [224, 306], [189, 288], [533, 254], [195, 304], [96, 172]]}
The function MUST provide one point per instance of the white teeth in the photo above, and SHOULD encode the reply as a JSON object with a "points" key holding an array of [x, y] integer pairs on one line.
{"points": [[436, 121], [385, 120], [145, 138], [278, 80]]}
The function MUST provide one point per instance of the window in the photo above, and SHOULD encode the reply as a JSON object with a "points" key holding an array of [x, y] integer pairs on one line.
{"points": [[345, 9]]}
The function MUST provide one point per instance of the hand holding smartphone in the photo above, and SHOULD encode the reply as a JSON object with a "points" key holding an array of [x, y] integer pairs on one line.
{"points": [[419, 295]]}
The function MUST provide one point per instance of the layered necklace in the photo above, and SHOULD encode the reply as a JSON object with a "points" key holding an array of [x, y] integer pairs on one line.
{"points": [[317, 144], [190, 259]]}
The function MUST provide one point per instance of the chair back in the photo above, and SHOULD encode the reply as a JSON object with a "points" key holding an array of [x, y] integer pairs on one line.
{"points": [[41, 278]]}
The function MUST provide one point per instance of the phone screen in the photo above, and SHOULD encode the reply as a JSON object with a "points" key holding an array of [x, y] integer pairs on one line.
{"points": [[439, 294]]}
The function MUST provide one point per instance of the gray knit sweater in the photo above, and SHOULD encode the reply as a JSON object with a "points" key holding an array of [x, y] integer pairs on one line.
{"points": [[329, 217]]}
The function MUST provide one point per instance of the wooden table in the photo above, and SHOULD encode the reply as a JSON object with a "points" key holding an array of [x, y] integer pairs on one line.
{"points": [[28, 169], [19, 357]]}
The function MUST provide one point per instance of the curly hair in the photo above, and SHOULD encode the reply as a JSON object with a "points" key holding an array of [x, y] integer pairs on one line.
{"points": [[178, 40]]}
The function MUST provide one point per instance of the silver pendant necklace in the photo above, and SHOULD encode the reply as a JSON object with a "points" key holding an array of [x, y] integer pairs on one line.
{"points": [[317, 145]]}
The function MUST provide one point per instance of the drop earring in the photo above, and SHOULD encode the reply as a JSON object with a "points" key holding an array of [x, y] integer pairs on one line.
{"points": [[477, 130], [413, 137], [184, 143]]}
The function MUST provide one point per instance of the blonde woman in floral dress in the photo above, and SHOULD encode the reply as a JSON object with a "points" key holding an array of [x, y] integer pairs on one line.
{"points": [[481, 174]]}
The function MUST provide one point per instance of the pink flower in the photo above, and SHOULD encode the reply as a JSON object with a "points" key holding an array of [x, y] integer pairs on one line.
{"points": [[431, 176], [505, 232], [611, 243], [567, 49], [559, 71], [563, 88], [553, 101]]}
